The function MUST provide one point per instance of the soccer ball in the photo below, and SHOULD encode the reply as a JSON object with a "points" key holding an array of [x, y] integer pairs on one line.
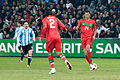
{"points": [[93, 66]]}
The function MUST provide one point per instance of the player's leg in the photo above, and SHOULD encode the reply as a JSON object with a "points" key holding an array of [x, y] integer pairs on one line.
{"points": [[29, 58], [51, 62], [22, 55], [30, 53], [61, 55], [83, 42], [86, 56], [88, 46], [27, 50], [26, 55], [49, 48], [89, 54]]}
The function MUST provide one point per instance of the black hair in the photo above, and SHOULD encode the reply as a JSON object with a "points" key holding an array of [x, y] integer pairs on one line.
{"points": [[48, 12], [20, 22], [25, 21], [87, 11]]}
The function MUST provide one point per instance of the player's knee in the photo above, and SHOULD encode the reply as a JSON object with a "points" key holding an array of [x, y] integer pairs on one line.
{"points": [[88, 49], [86, 55], [85, 52], [58, 53], [20, 49], [26, 55], [30, 53], [49, 52]]}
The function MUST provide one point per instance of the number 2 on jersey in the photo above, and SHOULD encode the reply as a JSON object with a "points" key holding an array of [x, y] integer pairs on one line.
{"points": [[51, 23]]}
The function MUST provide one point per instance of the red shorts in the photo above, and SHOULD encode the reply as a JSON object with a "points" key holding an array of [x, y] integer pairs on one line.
{"points": [[54, 43], [86, 41]]}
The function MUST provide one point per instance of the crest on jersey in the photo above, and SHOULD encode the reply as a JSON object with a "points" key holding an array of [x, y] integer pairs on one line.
{"points": [[87, 24]]}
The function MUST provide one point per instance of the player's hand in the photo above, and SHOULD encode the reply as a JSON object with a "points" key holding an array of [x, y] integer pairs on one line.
{"points": [[93, 38], [65, 31], [13, 39], [40, 39], [74, 28], [77, 29]]}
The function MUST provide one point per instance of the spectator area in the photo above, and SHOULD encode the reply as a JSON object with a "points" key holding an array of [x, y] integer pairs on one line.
{"points": [[106, 13]]}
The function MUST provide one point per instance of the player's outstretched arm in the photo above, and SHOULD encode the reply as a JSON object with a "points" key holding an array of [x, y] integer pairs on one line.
{"points": [[43, 30], [62, 25], [66, 31]]}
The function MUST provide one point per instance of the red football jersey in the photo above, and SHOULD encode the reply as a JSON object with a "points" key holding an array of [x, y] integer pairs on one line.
{"points": [[50, 26], [87, 27]]}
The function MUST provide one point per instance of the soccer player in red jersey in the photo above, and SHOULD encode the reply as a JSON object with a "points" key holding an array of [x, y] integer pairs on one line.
{"points": [[50, 27], [88, 33]]}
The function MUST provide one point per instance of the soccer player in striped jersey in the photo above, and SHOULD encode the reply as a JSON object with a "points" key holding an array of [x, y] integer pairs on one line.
{"points": [[19, 24], [88, 33], [25, 36]]}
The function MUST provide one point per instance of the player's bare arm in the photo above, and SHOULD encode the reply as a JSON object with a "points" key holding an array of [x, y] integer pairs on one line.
{"points": [[65, 31], [40, 39], [77, 28], [43, 30], [62, 25], [13, 39]]}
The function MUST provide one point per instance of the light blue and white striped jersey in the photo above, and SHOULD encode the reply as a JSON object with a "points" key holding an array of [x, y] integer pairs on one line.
{"points": [[16, 34], [25, 36]]}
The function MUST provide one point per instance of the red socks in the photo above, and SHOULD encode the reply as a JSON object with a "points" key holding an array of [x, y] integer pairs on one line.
{"points": [[51, 61], [52, 65], [89, 58], [62, 56]]}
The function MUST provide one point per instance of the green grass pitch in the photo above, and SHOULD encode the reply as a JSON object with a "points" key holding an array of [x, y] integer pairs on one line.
{"points": [[10, 69]]}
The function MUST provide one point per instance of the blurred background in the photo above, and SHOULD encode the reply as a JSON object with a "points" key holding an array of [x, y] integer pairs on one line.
{"points": [[106, 13]]}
